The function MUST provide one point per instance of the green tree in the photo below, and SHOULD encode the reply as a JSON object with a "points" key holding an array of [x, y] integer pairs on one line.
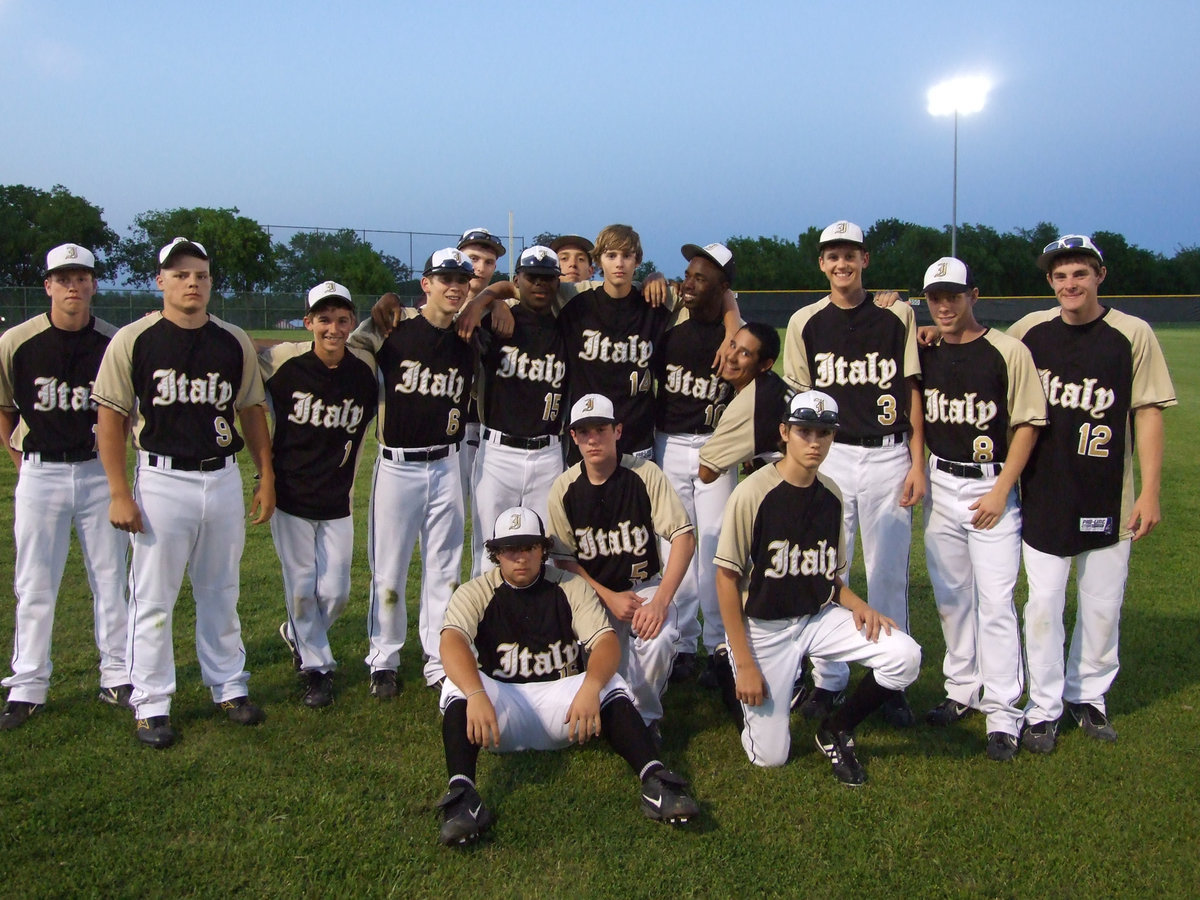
{"points": [[32, 221], [243, 258], [342, 256], [644, 269], [545, 238], [773, 264]]}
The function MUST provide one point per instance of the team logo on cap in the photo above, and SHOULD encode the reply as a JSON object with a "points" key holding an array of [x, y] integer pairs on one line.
{"points": [[329, 287], [515, 522], [588, 405], [72, 252], [818, 404], [941, 269], [840, 228]]}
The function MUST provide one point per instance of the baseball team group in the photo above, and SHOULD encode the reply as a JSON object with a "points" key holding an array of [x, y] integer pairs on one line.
{"points": [[595, 431]]}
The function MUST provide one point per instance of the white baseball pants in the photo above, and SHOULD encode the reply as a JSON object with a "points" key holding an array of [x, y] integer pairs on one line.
{"points": [[49, 497], [1092, 663], [973, 573], [646, 664], [315, 555], [508, 476], [678, 455], [413, 501]]}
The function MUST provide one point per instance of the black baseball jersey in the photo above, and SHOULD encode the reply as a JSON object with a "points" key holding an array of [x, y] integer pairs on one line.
{"points": [[181, 387], [612, 529], [610, 345], [1077, 488], [532, 633], [523, 379], [976, 394], [46, 375], [858, 356], [749, 428], [691, 396], [425, 373], [786, 543], [321, 415]]}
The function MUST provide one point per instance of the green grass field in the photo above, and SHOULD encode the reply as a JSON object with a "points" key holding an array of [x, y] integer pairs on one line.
{"points": [[339, 802]]}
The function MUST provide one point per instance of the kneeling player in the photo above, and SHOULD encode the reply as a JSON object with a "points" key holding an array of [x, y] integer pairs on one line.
{"points": [[529, 625], [782, 598]]}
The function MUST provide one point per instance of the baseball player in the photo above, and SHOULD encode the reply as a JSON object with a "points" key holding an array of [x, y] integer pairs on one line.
{"points": [[574, 257], [484, 250], [527, 686], [1106, 385], [179, 377], [690, 400], [780, 563], [983, 408], [47, 423], [864, 357], [425, 372], [521, 382], [605, 514], [323, 399]]}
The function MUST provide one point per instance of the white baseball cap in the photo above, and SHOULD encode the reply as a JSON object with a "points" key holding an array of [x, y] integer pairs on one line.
{"points": [[449, 259], [329, 293], [70, 256], [841, 232], [592, 409], [539, 258], [812, 408], [949, 274], [482, 236], [517, 526], [718, 253], [1068, 243], [180, 245]]}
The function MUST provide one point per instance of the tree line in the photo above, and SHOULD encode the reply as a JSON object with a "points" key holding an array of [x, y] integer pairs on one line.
{"points": [[245, 259]]}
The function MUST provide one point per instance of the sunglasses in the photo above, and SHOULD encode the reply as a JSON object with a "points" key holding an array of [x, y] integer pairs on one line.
{"points": [[825, 417], [480, 236], [1072, 242]]}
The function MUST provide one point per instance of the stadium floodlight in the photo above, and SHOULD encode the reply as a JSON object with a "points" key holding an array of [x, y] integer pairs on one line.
{"points": [[964, 95]]}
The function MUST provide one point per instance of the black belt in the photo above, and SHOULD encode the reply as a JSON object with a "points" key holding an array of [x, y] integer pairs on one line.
{"points": [[520, 443], [67, 456], [873, 440], [967, 470], [399, 455], [188, 463]]}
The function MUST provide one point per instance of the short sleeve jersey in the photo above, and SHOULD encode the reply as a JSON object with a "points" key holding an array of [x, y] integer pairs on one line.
{"points": [[46, 375], [523, 379], [785, 543], [976, 393], [321, 415], [858, 356], [1077, 488], [532, 633], [610, 347], [612, 529], [691, 397], [749, 428], [425, 374], [181, 387]]}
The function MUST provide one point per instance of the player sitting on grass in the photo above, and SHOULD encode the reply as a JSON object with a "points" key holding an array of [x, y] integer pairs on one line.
{"points": [[780, 561], [530, 688]]}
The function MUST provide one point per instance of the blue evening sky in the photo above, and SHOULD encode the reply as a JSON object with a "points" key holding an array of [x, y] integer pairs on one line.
{"points": [[691, 121]]}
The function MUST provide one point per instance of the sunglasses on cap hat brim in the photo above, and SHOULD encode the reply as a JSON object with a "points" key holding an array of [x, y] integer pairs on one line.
{"points": [[480, 236], [827, 418], [1068, 243]]}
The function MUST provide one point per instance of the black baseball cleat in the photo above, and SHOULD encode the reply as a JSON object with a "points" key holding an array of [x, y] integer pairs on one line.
{"points": [[384, 684], [1094, 723], [1001, 746], [16, 712], [708, 677], [683, 669], [1040, 737], [243, 712], [116, 696], [319, 690], [464, 816], [947, 713], [156, 732], [897, 712], [283, 633], [817, 703], [838, 747], [665, 798]]}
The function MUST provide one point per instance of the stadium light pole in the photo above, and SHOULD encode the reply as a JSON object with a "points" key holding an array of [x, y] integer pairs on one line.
{"points": [[964, 95]]}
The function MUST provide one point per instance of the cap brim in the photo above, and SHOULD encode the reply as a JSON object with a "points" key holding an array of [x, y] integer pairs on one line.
{"points": [[593, 420], [331, 300], [946, 286], [515, 540], [68, 267], [493, 245], [1046, 259], [540, 270], [572, 240]]}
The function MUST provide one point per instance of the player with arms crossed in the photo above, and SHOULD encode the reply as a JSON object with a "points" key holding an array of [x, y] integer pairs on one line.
{"points": [[529, 689], [864, 357], [323, 398], [1106, 385], [983, 408], [181, 376], [425, 372], [607, 514], [780, 561], [47, 423]]}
